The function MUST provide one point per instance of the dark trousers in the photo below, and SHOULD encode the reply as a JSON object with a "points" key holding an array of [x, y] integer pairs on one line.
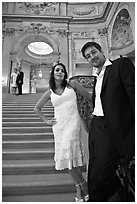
{"points": [[19, 89], [103, 161]]}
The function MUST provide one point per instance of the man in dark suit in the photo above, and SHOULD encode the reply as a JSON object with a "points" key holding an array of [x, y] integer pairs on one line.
{"points": [[112, 129], [19, 80]]}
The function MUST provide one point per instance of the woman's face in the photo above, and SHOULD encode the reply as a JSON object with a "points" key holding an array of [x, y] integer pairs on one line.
{"points": [[59, 72]]}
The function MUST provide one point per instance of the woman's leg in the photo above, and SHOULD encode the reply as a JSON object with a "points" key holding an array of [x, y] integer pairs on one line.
{"points": [[75, 177], [79, 181]]}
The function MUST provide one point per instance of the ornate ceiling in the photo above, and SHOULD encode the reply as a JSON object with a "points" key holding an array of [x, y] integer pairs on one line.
{"points": [[57, 9]]}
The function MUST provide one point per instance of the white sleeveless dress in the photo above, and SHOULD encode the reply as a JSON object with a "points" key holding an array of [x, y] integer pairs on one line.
{"points": [[68, 131]]}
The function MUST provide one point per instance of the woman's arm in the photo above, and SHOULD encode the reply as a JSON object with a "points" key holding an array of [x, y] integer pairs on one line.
{"points": [[81, 89], [37, 109]]}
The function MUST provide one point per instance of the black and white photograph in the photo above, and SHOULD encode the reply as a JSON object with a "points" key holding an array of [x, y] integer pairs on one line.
{"points": [[68, 101]]}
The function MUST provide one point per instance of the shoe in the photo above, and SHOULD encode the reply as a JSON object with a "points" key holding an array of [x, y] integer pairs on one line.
{"points": [[79, 199], [86, 198]]}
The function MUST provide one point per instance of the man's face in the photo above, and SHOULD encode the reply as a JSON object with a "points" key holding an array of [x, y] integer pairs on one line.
{"points": [[94, 57]]}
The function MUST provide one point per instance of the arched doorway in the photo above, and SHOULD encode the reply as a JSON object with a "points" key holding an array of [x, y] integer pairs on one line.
{"points": [[38, 53]]}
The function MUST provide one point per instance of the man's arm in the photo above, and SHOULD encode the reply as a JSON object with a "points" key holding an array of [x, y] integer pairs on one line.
{"points": [[127, 73]]}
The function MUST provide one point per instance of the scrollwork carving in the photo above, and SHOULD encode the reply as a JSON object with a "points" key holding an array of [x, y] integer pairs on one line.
{"points": [[88, 34], [122, 32], [8, 31], [103, 32], [37, 8], [82, 10], [4, 7]]}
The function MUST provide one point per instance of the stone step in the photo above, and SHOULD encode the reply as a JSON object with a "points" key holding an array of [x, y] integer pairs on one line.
{"points": [[24, 115], [30, 109], [26, 129], [37, 184], [25, 167], [28, 167], [25, 124], [8, 98], [26, 136], [25, 105], [27, 154], [21, 111], [47, 143], [22, 119], [56, 197]]}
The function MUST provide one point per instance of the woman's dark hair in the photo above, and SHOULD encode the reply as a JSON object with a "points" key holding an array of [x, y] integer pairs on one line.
{"points": [[90, 44], [52, 84]]}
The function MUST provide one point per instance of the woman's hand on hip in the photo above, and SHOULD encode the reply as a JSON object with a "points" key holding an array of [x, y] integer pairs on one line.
{"points": [[51, 121]]}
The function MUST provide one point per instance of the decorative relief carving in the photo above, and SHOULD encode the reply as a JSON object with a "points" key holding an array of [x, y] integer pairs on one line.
{"points": [[7, 31], [86, 9], [37, 8], [4, 7], [81, 10], [89, 34], [122, 32], [35, 28], [103, 32]]}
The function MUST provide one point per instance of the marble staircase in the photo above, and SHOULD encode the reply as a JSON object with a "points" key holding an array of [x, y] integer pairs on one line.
{"points": [[28, 173]]}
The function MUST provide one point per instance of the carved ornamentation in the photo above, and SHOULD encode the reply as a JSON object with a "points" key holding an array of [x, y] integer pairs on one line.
{"points": [[4, 7], [85, 107], [8, 31], [86, 9], [89, 34], [36, 28], [37, 8], [122, 32], [81, 10], [103, 32]]}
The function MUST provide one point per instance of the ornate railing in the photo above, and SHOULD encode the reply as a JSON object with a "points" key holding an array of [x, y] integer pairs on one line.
{"points": [[85, 107]]}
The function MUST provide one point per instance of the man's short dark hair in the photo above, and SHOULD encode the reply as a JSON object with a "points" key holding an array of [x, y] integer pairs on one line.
{"points": [[90, 44]]}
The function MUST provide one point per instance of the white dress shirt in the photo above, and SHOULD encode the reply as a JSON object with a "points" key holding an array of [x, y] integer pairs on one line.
{"points": [[98, 111]]}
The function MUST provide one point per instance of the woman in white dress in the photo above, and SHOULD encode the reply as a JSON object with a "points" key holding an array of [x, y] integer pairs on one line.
{"points": [[67, 125], [13, 81]]}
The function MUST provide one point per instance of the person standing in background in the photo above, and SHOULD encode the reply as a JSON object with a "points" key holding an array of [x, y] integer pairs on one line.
{"points": [[19, 80], [13, 81], [112, 131]]}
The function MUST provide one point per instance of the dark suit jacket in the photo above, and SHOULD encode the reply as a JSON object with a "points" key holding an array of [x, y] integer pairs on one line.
{"points": [[118, 103], [20, 78]]}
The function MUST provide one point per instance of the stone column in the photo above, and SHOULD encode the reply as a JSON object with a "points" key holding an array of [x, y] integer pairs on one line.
{"points": [[63, 43], [26, 70], [6, 60], [70, 60]]}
